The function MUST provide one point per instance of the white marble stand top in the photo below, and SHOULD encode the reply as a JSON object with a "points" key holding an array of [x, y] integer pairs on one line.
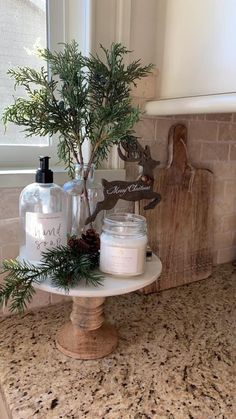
{"points": [[111, 285]]}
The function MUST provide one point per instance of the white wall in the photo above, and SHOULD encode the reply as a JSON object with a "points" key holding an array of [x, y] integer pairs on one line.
{"points": [[191, 42], [131, 22], [143, 30], [199, 48]]}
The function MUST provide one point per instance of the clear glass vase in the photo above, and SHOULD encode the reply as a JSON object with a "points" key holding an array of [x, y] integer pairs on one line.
{"points": [[81, 207]]}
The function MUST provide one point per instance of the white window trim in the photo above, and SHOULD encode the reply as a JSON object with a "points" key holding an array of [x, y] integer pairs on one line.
{"points": [[20, 178], [67, 20]]}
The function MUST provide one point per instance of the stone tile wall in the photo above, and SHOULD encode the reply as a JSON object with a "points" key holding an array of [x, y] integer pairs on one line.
{"points": [[212, 144]]}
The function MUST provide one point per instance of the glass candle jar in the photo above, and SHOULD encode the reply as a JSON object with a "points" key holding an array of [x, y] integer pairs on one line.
{"points": [[123, 244]]}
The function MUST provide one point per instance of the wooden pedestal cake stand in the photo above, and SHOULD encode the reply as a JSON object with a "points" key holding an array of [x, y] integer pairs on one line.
{"points": [[87, 335]]}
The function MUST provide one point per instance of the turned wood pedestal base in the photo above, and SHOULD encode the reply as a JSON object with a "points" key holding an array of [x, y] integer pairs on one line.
{"points": [[86, 336]]}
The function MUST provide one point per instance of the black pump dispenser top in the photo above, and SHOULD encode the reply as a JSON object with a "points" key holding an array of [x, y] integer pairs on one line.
{"points": [[44, 174]]}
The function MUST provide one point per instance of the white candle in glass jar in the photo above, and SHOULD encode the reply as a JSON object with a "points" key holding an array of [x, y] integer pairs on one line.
{"points": [[123, 245]]}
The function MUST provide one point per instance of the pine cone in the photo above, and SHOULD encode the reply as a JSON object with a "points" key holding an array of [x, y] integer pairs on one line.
{"points": [[78, 246], [72, 242], [88, 243], [92, 240]]}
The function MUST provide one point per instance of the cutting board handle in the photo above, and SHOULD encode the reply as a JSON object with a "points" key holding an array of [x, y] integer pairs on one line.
{"points": [[178, 159], [177, 147]]}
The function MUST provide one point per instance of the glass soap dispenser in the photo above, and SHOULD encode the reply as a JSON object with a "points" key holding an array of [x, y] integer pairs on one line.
{"points": [[43, 215]]}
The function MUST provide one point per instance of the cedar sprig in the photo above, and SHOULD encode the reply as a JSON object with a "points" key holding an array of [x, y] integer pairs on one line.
{"points": [[79, 98], [18, 284], [66, 266]]}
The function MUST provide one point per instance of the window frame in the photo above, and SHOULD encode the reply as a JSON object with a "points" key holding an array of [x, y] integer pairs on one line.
{"points": [[65, 20]]}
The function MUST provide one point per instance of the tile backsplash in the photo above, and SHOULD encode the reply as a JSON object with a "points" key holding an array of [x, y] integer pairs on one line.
{"points": [[212, 145]]}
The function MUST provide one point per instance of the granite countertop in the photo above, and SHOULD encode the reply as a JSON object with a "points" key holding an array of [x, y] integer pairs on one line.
{"points": [[174, 359]]}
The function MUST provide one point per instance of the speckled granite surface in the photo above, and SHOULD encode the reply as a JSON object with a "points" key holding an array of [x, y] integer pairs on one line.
{"points": [[175, 359]]}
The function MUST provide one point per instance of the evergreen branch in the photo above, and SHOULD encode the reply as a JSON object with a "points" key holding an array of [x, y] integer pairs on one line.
{"points": [[63, 265], [18, 284], [79, 98], [64, 154]]}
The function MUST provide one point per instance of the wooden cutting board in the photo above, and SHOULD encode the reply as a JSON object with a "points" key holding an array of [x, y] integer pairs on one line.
{"points": [[180, 227]]}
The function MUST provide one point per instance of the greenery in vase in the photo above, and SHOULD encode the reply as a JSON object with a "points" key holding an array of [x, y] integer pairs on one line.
{"points": [[78, 98]]}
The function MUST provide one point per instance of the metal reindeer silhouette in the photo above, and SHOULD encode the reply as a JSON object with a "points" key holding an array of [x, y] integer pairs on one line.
{"points": [[142, 188]]}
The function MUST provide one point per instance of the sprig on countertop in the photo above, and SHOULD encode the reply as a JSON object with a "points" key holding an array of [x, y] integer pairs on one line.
{"points": [[66, 266]]}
